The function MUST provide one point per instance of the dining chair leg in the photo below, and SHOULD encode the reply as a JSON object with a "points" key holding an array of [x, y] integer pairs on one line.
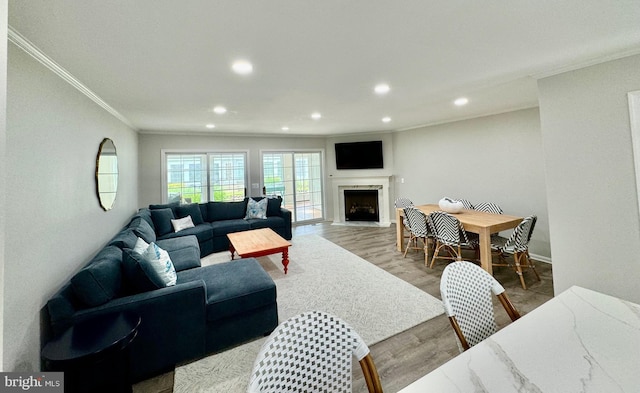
{"points": [[516, 257], [532, 266]]}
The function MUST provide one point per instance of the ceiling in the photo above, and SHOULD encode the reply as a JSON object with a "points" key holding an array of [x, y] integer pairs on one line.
{"points": [[164, 65]]}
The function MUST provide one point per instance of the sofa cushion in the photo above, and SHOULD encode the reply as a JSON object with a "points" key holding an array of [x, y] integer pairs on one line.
{"points": [[124, 239], [193, 210], [101, 280], [173, 206], [162, 221], [256, 209], [273, 207], [218, 211], [270, 222], [233, 287], [221, 228], [202, 232], [142, 229], [184, 251], [148, 271]]}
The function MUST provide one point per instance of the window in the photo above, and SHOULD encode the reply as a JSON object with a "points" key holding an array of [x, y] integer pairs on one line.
{"points": [[202, 177]]}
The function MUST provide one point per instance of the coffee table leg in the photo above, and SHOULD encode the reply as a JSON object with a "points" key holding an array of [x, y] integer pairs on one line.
{"points": [[285, 259], [232, 250]]}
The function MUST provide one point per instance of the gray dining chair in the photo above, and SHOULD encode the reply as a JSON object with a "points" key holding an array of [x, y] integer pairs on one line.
{"points": [[466, 291], [312, 352], [517, 246]]}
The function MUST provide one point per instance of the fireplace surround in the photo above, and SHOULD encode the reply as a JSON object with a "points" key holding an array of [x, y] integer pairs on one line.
{"points": [[379, 184]]}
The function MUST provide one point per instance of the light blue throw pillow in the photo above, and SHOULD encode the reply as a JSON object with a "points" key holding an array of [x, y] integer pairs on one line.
{"points": [[158, 266], [256, 209]]}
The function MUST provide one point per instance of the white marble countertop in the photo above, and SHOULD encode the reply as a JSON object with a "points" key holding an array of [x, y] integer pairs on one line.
{"points": [[579, 341]]}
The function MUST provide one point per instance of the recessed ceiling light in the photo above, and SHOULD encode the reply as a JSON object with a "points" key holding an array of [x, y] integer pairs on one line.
{"points": [[285, 128], [461, 101], [210, 126], [316, 116], [242, 67], [386, 119], [220, 110], [381, 88]]}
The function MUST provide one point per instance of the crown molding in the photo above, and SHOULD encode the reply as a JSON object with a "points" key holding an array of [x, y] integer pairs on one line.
{"points": [[585, 63], [29, 48]]}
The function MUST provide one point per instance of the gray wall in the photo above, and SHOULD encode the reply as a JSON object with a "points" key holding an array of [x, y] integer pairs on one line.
{"points": [[489, 159], [3, 150], [591, 187], [151, 146], [55, 224]]}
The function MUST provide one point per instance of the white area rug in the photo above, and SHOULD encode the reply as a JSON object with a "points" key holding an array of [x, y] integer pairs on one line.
{"points": [[321, 276]]}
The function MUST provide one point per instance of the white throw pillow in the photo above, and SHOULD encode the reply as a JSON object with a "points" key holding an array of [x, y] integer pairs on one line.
{"points": [[141, 246], [257, 209], [159, 261], [182, 223]]}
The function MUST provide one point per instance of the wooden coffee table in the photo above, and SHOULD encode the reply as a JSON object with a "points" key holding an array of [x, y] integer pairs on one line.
{"points": [[258, 243]]}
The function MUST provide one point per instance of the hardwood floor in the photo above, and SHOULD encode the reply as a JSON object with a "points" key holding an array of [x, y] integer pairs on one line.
{"points": [[407, 356], [411, 354]]}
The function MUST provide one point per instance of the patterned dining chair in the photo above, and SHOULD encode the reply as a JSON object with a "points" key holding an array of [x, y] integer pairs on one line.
{"points": [[466, 291], [516, 245], [465, 203], [488, 207], [312, 352], [402, 203], [419, 231], [450, 237]]}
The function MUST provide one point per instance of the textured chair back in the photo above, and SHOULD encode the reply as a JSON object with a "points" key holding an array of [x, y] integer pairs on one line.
{"points": [[488, 207], [417, 222], [465, 203], [519, 239], [403, 202], [311, 352], [447, 228], [466, 295]]}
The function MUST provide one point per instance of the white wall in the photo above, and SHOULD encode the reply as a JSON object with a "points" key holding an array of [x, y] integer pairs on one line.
{"points": [[591, 187], [489, 159], [54, 223], [151, 146]]}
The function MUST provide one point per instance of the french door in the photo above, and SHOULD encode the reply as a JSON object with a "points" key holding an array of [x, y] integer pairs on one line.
{"points": [[297, 178]]}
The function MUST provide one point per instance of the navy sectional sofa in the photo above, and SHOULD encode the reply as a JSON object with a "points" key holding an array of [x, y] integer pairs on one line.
{"points": [[210, 308], [214, 220]]}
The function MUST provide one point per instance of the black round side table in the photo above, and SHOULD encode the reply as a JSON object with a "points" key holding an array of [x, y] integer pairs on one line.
{"points": [[93, 354]]}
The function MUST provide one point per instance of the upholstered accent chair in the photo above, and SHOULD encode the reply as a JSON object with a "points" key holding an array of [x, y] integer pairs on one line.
{"points": [[450, 237], [312, 352], [516, 245], [466, 292]]}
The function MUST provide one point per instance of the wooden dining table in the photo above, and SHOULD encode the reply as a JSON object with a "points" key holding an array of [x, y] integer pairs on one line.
{"points": [[482, 223]]}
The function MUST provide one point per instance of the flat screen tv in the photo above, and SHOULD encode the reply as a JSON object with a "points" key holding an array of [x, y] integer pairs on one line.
{"points": [[359, 155]]}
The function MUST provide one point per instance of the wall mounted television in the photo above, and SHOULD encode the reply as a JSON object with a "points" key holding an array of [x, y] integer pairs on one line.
{"points": [[359, 155]]}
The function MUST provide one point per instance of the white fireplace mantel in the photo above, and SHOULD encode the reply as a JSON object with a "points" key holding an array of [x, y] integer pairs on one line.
{"points": [[380, 183]]}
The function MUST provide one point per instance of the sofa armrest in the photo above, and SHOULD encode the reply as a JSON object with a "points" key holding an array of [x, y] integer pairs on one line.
{"points": [[286, 216], [172, 330]]}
